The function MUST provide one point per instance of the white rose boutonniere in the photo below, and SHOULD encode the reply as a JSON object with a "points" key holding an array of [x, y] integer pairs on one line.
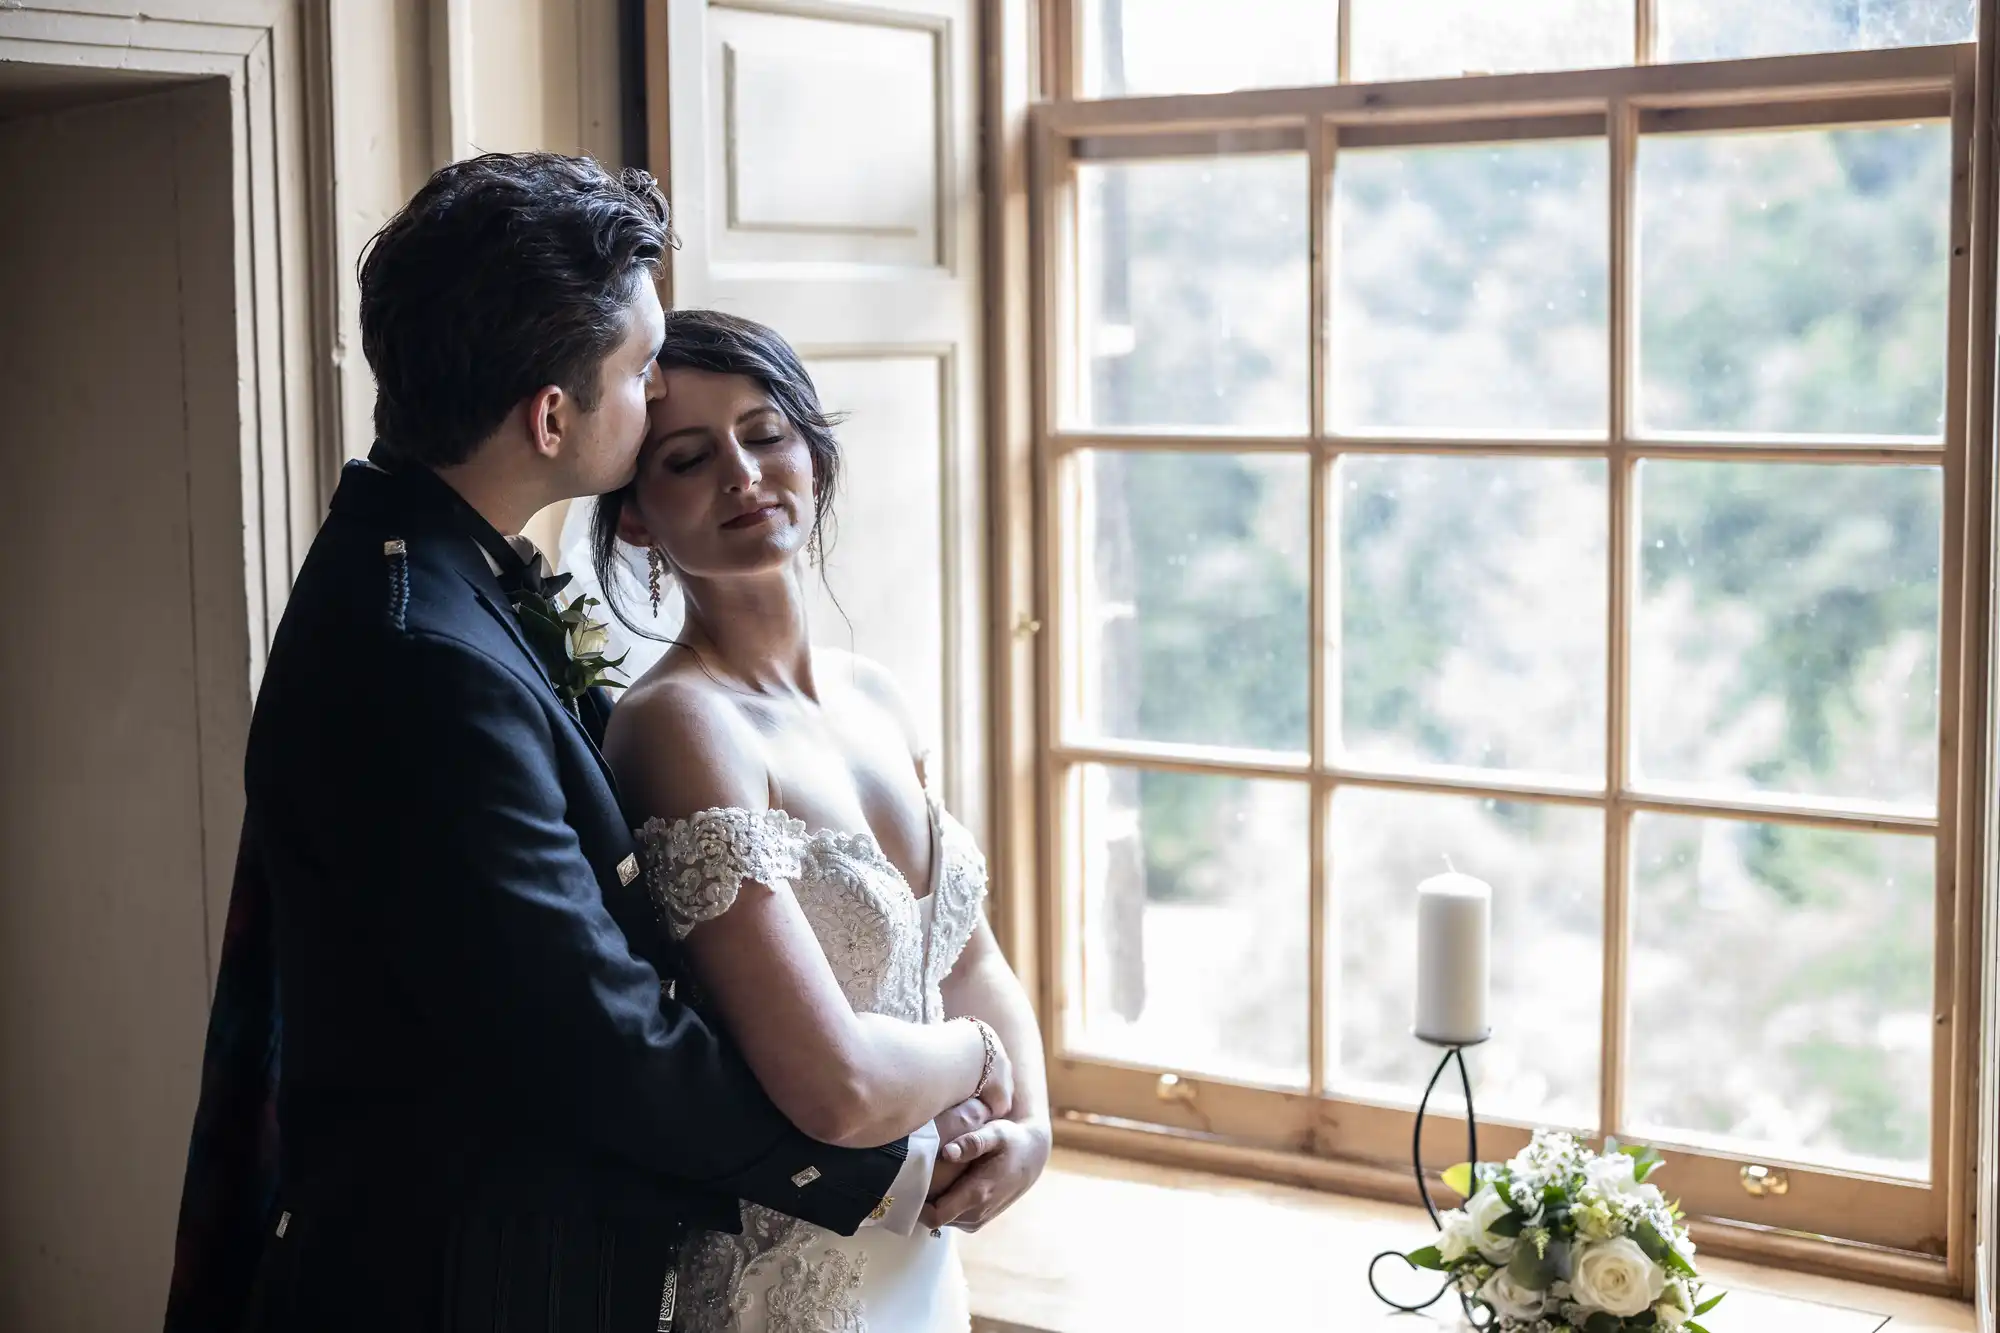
{"points": [[568, 640], [589, 638]]}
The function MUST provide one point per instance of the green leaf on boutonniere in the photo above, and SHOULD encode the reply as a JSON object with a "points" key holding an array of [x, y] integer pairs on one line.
{"points": [[569, 642]]}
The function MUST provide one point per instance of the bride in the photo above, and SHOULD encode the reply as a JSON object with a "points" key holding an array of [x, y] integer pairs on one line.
{"points": [[830, 906]]}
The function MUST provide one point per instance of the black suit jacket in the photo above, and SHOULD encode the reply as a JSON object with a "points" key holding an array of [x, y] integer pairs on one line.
{"points": [[490, 1110]]}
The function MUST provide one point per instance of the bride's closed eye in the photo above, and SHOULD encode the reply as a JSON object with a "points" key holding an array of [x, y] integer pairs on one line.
{"points": [[765, 429]]}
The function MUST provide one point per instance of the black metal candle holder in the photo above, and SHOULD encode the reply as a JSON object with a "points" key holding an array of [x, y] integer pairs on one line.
{"points": [[1477, 1312]]}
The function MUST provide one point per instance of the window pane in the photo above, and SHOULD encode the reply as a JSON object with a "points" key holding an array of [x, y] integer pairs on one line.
{"points": [[1194, 291], [1729, 29], [1794, 282], [1787, 635], [1134, 47], [1194, 924], [1469, 288], [1546, 866], [1193, 614], [1781, 991], [1418, 39], [1472, 612]]}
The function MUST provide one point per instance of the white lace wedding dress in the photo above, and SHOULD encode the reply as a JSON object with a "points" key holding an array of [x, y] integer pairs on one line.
{"points": [[890, 951]]}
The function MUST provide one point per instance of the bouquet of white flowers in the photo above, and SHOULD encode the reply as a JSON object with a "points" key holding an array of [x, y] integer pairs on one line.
{"points": [[1565, 1240]]}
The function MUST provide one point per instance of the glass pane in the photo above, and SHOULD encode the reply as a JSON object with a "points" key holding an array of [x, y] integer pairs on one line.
{"points": [[1194, 924], [1787, 635], [1472, 612], [1546, 866], [1729, 29], [1194, 290], [1418, 39], [1794, 282], [1469, 288], [1193, 613], [1781, 991], [1133, 47]]}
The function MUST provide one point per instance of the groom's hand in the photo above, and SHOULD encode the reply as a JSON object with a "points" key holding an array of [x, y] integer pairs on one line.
{"points": [[998, 1163], [952, 1126]]}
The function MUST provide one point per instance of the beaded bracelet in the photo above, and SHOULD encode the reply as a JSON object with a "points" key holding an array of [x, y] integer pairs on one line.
{"points": [[989, 1039]]}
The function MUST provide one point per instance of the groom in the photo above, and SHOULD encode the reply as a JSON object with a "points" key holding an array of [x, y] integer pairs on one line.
{"points": [[491, 1110]]}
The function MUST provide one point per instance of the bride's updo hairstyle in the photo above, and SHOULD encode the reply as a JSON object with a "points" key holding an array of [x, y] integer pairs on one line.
{"points": [[724, 344]]}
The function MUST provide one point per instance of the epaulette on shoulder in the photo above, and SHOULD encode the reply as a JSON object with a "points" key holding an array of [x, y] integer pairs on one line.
{"points": [[396, 553]]}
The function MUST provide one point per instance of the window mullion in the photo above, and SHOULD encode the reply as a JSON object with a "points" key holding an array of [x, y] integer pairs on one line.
{"points": [[1318, 601], [1962, 640], [1623, 144]]}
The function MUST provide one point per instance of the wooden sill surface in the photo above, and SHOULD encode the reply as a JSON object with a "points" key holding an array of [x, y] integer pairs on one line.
{"points": [[1103, 1245]]}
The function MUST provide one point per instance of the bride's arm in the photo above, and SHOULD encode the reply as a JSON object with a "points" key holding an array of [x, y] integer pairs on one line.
{"points": [[852, 1080], [984, 1172], [982, 984]]}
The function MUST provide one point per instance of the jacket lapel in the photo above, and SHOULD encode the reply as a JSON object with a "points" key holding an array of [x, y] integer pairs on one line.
{"points": [[495, 603]]}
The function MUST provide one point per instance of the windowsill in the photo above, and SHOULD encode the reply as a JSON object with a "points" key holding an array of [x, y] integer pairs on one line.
{"points": [[1103, 1245]]}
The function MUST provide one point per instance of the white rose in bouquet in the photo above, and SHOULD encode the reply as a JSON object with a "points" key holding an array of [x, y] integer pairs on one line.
{"points": [[1455, 1236], [1616, 1276], [1510, 1299], [1484, 1210]]}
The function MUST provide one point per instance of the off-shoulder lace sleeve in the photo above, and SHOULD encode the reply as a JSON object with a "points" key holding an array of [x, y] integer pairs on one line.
{"points": [[696, 866]]}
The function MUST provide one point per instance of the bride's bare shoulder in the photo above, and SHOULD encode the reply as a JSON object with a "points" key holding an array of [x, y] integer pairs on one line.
{"points": [[875, 683], [680, 743]]}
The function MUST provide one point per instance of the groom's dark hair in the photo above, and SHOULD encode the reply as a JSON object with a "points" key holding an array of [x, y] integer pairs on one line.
{"points": [[506, 273]]}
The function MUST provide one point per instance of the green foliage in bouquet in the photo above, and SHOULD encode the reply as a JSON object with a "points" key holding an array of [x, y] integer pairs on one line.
{"points": [[1564, 1240]]}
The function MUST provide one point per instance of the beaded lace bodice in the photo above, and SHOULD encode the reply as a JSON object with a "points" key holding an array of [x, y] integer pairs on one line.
{"points": [[890, 952], [861, 909]]}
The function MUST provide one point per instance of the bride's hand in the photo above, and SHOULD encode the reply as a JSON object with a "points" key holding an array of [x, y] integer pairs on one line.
{"points": [[998, 1162], [952, 1126]]}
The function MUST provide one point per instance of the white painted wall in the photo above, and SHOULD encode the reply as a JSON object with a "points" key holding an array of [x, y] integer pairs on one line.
{"points": [[118, 365]]}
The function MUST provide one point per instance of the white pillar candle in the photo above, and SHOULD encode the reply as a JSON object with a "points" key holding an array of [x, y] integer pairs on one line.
{"points": [[1454, 934]]}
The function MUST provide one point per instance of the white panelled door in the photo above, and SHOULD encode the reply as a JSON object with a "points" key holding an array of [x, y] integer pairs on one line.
{"points": [[824, 171]]}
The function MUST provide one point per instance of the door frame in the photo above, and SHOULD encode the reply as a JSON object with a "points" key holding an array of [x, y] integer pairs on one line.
{"points": [[253, 510]]}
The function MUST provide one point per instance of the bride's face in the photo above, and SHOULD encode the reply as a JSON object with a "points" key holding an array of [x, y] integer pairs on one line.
{"points": [[725, 483]]}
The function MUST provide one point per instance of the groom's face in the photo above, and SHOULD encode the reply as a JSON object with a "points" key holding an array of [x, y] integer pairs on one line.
{"points": [[608, 437]]}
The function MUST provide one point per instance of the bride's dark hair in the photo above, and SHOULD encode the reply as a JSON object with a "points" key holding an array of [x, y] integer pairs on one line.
{"points": [[728, 345]]}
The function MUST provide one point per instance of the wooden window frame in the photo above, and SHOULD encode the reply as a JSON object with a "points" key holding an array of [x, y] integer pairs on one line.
{"points": [[1917, 1236]]}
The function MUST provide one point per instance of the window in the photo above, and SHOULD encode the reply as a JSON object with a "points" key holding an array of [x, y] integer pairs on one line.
{"points": [[1564, 475]]}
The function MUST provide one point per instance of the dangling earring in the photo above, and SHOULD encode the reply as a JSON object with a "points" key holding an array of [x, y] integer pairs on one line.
{"points": [[656, 565]]}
